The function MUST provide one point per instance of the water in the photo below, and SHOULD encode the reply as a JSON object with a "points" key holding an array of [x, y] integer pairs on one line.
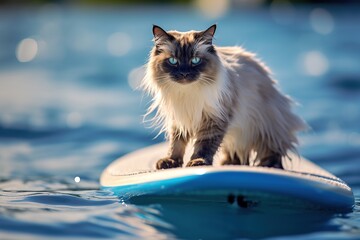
{"points": [[68, 109]]}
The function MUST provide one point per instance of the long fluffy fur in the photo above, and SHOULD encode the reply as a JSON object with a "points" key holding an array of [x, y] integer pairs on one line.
{"points": [[260, 119]]}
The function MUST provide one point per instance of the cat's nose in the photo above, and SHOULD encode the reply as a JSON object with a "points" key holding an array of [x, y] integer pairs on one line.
{"points": [[184, 75]]}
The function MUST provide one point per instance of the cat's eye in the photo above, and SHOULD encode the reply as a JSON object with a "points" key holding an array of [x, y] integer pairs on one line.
{"points": [[173, 61], [195, 60]]}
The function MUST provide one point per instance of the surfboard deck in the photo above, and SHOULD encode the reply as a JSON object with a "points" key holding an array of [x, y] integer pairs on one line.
{"points": [[302, 184]]}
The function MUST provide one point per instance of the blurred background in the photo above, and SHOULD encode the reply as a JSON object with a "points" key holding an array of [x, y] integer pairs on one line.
{"points": [[69, 105]]}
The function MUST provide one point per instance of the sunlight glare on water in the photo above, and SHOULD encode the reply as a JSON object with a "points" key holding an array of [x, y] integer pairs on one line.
{"points": [[69, 107]]}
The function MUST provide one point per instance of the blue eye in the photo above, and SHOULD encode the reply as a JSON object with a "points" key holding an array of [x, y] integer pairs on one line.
{"points": [[195, 60], [173, 61]]}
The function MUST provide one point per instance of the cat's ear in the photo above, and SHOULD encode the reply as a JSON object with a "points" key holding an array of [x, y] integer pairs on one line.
{"points": [[210, 32], [159, 33]]}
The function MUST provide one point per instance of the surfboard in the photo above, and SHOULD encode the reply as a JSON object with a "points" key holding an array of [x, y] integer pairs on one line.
{"points": [[301, 185]]}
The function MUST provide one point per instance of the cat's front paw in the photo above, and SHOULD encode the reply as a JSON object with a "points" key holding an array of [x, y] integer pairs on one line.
{"points": [[197, 162], [166, 163]]}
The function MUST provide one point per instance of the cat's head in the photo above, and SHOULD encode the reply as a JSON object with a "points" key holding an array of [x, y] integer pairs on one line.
{"points": [[184, 57]]}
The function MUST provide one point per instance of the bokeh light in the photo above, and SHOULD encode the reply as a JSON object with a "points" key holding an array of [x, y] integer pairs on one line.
{"points": [[119, 44], [321, 21], [135, 77], [71, 103], [77, 179], [315, 63], [212, 8], [26, 50]]}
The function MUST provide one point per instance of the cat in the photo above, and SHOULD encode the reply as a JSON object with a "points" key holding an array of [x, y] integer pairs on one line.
{"points": [[217, 98]]}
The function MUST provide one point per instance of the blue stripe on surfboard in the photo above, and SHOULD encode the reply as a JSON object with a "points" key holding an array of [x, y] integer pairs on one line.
{"points": [[320, 193]]}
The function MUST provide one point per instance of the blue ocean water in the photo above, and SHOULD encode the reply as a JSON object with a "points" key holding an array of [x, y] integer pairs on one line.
{"points": [[68, 107]]}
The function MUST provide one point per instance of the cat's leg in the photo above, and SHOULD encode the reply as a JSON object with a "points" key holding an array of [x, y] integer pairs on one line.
{"points": [[226, 158], [208, 140], [234, 159], [176, 151], [230, 159]]}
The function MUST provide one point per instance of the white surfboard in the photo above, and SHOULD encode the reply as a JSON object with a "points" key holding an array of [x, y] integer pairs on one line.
{"points": [[301, 185]]}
